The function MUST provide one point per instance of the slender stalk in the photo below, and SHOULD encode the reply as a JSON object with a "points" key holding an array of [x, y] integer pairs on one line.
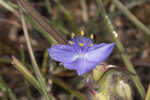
{"points": [[121, 49], [26, 84], [35, 66], [60, 27], [62, 84], [27, 89], [68, 16], [44, 62], [25, 72], [8, 92], [2, 2], [48, 31], [131, 17], [84, 10], [111, 15], [8, 7], [148, 93], [51, 21]]}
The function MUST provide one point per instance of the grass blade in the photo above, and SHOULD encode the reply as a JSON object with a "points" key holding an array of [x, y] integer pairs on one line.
{"points": [[125, 58], [25, 72], [41, 21], [35, 66], [8, 92], [131, 17]]}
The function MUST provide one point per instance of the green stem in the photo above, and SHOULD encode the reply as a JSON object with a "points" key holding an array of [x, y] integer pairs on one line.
{"points": [[51, 21], [84, 10], [131, 17], [148, 93], [8, 7], [111, 15], [68, 17], [46, 29], [121, 49], [25, 72], [6, 90], [26, 84], [27, 89], [35, 66], [62, 84], [44, 68]]}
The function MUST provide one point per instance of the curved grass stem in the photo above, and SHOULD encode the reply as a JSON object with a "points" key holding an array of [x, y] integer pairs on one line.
{"points": [[45, 28], [6, 90], [132, 18], [120, 47], [68, 16], [148, 93], [35, 66]]}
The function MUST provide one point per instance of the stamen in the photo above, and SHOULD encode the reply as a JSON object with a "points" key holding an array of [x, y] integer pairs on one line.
{"points": [[92, 36], [71, 42], [82, 33], [72, 35], [81, 44]]}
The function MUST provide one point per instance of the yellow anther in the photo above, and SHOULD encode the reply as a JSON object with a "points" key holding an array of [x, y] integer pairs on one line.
{"points": [[73, 35], [82, 33], [81, 44], [92, 36], [71, 42]]}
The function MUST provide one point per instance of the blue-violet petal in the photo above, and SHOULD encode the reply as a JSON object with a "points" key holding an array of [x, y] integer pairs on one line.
{"points": [[63, 53]]}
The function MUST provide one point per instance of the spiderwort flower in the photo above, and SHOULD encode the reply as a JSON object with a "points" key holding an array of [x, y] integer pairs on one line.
{"points": [[81, 54]]}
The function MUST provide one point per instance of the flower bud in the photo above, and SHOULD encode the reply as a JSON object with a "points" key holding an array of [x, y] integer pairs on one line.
{"points": [[97, 72], [115, 86], [124, 90], [101, 96]]}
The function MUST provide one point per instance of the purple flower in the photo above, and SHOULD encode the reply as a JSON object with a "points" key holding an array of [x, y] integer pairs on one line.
{"points": [[80, 54]]}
